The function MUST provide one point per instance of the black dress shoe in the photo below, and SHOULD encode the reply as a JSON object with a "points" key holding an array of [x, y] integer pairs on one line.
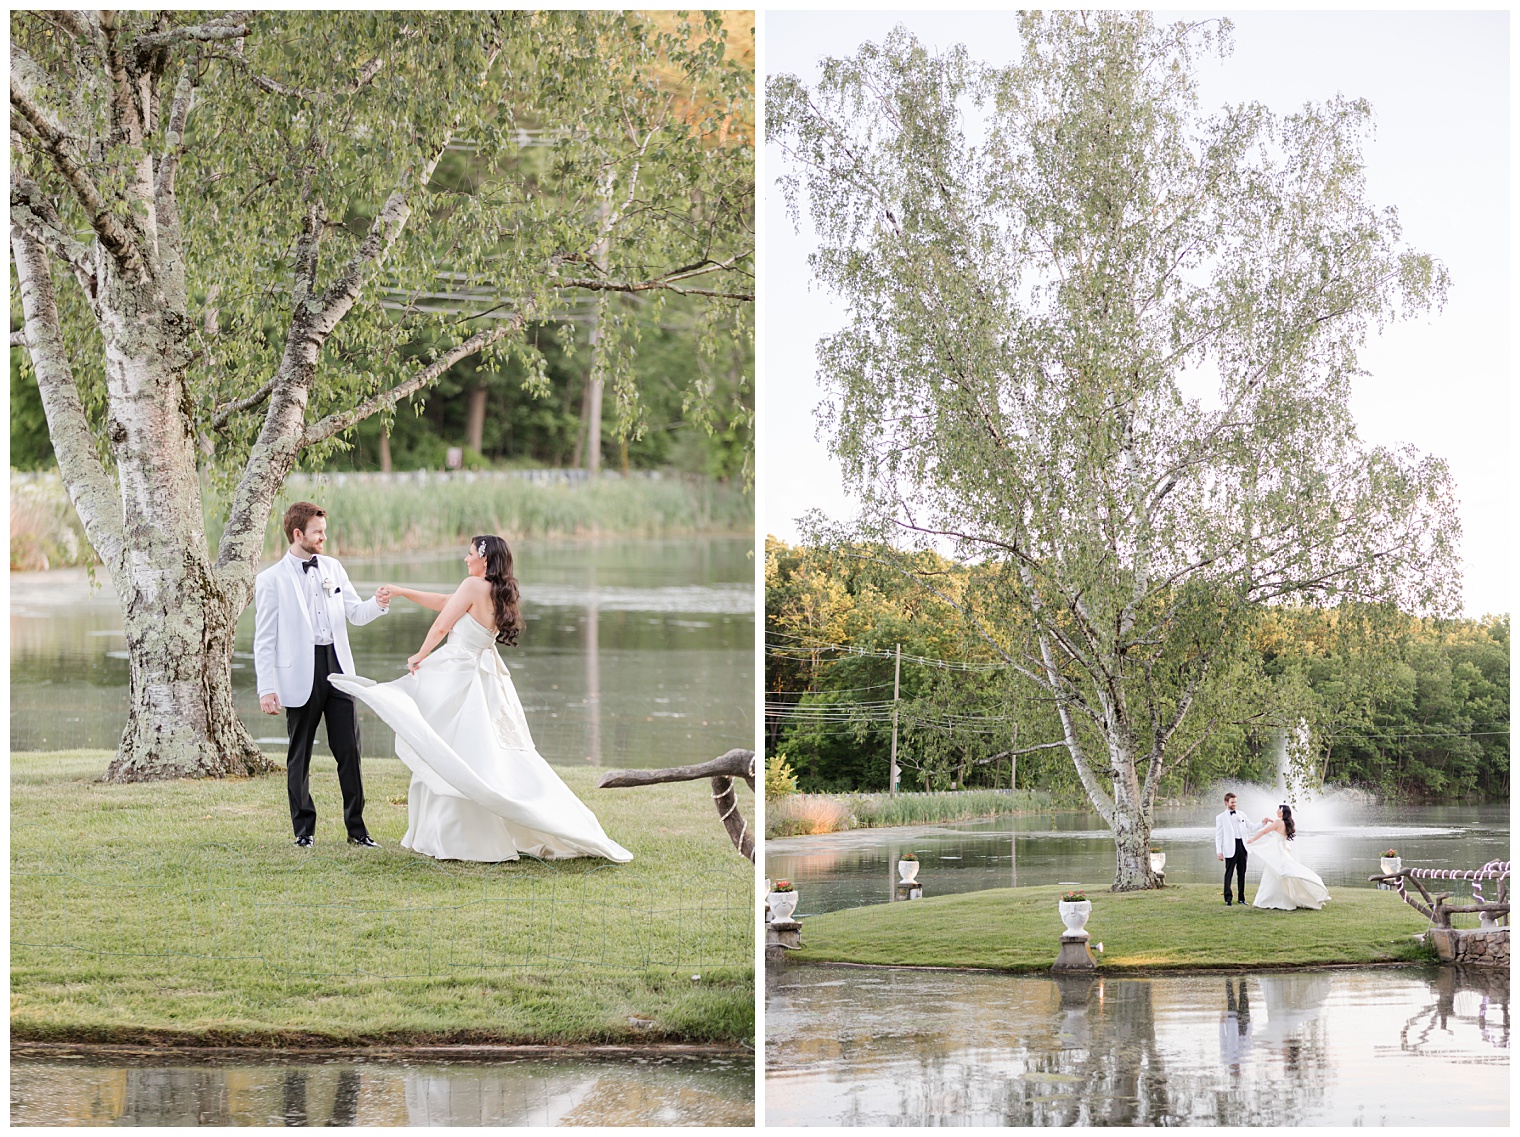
{"points": [[367, 841], [305, 842]]}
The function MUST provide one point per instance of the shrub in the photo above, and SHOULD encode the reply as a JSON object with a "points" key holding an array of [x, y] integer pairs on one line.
{"points": [[780, 780]]}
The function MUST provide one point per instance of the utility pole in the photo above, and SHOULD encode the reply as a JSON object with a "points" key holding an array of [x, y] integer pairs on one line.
{"points": [[896, 683]]}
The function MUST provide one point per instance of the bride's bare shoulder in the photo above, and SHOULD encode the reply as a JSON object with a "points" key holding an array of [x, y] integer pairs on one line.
{"points": [[474, 586]]}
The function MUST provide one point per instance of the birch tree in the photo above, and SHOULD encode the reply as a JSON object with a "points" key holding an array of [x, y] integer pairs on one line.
{"points": [[1103, 343], [234, 236]]}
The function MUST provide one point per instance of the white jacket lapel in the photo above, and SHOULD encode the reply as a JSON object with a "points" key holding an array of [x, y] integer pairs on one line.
{"points": [[303, 599]]}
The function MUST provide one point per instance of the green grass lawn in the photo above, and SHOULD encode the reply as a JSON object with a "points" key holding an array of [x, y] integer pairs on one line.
{"points": [[181, 910], [1181, 926]]}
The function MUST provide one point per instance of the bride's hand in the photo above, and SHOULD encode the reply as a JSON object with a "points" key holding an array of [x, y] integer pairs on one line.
{"points": [[415, 661]]}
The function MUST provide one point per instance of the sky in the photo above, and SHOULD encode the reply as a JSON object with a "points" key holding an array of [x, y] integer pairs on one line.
{"points": [[1439, 87]]}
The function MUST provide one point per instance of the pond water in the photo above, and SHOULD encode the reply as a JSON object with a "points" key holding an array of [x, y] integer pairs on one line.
{"points": [[659, 1090], [636, 653], [1417, 1046], [1341, 842]]}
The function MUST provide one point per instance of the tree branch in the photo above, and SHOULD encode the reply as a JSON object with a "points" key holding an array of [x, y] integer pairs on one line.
{"points": [[220, 28], [650, 286], [56, 144], [33, 212], [91, 489], [337, 423], [722, 771], [735, 763], [275, 87], [220, 418]]}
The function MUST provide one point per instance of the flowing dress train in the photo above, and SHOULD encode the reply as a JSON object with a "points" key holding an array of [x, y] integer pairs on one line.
{"points": [[480, 790], [1285, 883]]}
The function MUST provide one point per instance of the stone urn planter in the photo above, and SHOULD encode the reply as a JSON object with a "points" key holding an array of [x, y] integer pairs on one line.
{"points": [[782, 904], [1074, 913], [907, 869], [1390, 865], [1158, 860]]}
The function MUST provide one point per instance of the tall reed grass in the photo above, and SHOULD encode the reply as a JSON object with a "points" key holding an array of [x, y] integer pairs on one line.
{"points": [[45, 530], [800, 814], [373, 513]]}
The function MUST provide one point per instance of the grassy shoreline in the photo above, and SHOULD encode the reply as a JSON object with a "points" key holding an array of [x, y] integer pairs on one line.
{"points": [[374, 513], [799, 815], [1181, 927], [179, 913]]}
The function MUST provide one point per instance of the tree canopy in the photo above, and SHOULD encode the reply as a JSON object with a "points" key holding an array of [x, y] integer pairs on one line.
{"points": [[1104, 341], [272, 226], [524, 158]]}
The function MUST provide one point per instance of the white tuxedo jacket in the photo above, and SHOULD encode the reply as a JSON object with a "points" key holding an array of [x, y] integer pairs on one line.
{"points": [[1224, 833], [283, 638]]}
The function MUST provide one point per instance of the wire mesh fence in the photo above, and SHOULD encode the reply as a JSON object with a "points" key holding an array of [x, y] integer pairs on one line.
{"points": [[408, 918]]}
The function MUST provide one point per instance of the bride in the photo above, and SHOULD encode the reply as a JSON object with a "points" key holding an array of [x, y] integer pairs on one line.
{"points": [[1285, 883], [480, 791]]}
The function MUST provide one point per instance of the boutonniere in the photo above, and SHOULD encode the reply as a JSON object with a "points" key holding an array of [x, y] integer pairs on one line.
{"points": [[328, 586]]}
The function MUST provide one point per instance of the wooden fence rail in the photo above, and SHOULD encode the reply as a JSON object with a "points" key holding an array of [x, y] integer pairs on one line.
{"points": [[1435, 908]]}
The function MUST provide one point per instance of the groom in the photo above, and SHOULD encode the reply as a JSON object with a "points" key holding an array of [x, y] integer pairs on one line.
{"points": [[300, 638], [1230, 832]]}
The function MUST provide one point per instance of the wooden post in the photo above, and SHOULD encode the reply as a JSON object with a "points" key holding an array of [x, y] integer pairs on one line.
{"points": [[896, 683]]}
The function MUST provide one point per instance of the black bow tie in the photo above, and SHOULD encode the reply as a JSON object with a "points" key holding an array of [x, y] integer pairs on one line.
{"points": [[1232, 813], [311, 564]]}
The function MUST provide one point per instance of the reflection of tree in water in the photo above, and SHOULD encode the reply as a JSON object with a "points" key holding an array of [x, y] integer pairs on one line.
{"points": [[1124, 1081], [1483, 989]]}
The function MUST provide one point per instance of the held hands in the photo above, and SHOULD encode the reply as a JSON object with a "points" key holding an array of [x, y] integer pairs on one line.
{"points": [[383, 596], [269, 704]]}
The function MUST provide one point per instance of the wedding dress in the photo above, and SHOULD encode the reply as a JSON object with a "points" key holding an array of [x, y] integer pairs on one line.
{"points": [[1284, 882], [480, 791]]}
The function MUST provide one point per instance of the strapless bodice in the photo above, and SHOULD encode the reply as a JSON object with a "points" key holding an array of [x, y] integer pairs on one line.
{"points": [[471, 635]]}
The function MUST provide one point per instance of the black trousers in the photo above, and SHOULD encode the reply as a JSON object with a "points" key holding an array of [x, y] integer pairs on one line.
{"points": [[342, 735], [1236, 864]]}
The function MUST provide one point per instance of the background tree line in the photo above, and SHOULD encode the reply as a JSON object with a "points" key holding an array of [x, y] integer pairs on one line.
{"points": [[1412, 709], [486, 410]]}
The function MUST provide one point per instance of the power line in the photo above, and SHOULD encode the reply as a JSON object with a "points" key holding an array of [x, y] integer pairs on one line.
{"points": [[923, 661]]}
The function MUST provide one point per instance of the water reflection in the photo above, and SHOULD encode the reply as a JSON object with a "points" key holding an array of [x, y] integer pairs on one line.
{"points": [[847, 870], [661, 1090], [636, 653], [1406, 1046]]}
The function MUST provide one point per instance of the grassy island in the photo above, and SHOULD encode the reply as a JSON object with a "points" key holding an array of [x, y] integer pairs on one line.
{"points": [[179, 913], [1184, 926]]}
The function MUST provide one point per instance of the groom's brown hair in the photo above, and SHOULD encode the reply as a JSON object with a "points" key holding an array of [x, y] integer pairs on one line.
{"points": [[299, 516]]}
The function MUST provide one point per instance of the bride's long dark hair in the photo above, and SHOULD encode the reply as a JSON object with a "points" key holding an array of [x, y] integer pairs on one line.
{"points": [[1287, 820], [504, 591]]}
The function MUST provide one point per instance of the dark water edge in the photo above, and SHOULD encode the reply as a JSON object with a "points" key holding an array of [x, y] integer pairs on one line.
{"points": [[55, 1085]]}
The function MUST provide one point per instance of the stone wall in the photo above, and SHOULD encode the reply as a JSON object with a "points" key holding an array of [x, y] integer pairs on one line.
{"points": [[1472, 947]]}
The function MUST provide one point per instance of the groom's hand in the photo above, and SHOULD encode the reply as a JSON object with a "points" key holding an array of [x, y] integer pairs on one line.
{"points": [[1220, 856], [269, 704], [383, 596]]}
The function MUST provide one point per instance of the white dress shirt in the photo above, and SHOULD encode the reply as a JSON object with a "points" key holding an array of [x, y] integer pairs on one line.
{"points": [[315, 600]]}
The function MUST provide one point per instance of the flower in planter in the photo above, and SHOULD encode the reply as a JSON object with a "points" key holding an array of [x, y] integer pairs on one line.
{"points": [[907, 856], [783, 886], [1155, 848], [1074, 898], [1390, 852]]}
